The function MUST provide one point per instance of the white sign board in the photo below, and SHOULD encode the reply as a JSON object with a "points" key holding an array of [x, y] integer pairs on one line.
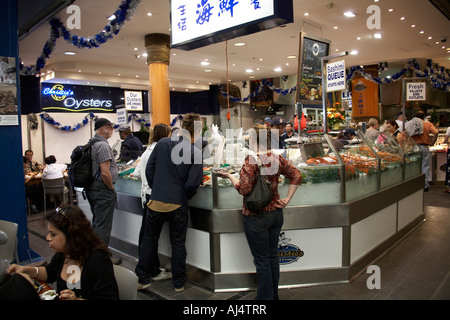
{"points": [[416, 91], [133, 101], [192, 20], [336, 76], [121, 116]]}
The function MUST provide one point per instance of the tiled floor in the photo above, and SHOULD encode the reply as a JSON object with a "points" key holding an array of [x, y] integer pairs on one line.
{"points": [[418, 268]]}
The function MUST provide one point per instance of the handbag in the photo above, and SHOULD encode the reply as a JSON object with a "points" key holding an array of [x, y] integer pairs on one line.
{"points": [[261, 194]]}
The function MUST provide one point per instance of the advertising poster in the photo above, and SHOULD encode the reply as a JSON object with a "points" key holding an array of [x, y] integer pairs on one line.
{"points": [[9, 111], [309, 80]]}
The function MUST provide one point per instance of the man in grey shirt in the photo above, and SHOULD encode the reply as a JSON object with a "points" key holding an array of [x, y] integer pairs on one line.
{"points": [[101, 194]]}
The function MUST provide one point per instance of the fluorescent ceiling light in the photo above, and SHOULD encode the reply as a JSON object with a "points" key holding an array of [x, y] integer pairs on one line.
{"points": [[377, 36], [239, 44], [205, 63], [70, 53], [354, 52], [349, 14], [278, 69]]}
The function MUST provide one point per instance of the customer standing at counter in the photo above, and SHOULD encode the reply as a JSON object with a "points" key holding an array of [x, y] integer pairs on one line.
{"points": [[161, 130], [101, 194], [447, 172], [131, 147], [424, 141], [174, 172], [263, 229]]}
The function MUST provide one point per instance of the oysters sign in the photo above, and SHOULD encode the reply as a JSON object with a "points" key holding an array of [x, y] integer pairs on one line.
{"points": [[60, 98]]}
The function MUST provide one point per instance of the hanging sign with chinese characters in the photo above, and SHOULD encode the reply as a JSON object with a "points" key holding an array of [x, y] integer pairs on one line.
{"points": [[198, 23]]}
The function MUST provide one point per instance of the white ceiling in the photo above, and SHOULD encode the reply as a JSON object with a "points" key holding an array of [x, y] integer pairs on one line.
{"points": [[263, 51]]}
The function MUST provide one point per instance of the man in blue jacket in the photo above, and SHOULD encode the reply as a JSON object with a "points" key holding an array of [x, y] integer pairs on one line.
{"points": [[174, 172], [131, 147]]}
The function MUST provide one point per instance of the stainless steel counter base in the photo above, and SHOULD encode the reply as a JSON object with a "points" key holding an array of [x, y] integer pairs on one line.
{"points": [[355, 233]]}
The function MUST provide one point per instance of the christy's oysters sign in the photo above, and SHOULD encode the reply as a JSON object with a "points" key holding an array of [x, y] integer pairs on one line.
{"points": [[58, 97]]}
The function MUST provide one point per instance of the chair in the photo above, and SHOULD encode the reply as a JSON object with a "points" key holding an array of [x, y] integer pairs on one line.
{"points": [[126, 282], [8, 251], [54, 187]]}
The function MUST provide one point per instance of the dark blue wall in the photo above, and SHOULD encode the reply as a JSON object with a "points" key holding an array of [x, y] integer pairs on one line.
{"points": [[12, 184]]}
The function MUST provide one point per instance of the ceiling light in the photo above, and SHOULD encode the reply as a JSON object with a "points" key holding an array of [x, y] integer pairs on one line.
{"points": [[349, 14], [429, 38], [239, 44], [391, 10], [359, 38], [335, 27], [306, 14], [145, 54], [252, 77], [278, 69], [70, 53], [402, 18], [205, 63], [354, 52], [291, 57], [208, 70], [135, 49], [149, 14], [422, 32], [249, 70], [112, 17], [377, 36], [413, 26]]}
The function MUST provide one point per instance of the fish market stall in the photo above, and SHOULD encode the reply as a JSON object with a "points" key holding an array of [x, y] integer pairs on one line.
{"points": [[353, 205]]}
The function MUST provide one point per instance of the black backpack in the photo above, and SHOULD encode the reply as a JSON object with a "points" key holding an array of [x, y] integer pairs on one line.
{"points": [[80, 170], [261, 194]]}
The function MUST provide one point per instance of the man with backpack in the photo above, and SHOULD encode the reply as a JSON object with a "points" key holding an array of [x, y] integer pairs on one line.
{"points": [[101, 194]]}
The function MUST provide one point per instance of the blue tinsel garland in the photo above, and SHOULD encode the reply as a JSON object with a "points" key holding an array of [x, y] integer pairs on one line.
{"points": [[47, 118], [125, 11], [439, 78]]}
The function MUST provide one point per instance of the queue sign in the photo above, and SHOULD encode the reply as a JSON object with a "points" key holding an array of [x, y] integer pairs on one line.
{"points": [[336, 76]]}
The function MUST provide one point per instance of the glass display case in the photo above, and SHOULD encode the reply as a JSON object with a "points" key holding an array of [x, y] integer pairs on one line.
{"points": [[330, 175]]}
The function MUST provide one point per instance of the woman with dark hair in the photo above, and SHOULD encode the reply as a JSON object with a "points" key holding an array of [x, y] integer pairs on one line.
{"points": [[263, 229], [393, 128], [161, 130], [82, 266]]}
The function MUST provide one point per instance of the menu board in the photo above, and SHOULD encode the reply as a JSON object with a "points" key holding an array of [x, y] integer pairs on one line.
{"points": [[309, 78]]}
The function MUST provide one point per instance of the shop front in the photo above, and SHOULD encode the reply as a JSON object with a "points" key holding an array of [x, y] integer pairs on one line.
{"points": [[353, 206]]}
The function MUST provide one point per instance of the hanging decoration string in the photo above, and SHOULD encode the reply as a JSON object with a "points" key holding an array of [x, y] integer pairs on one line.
{"points": [[439, 78], [124, 13], [47, 118]]}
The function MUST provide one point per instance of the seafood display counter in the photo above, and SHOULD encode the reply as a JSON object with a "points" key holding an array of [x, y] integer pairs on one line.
{"points": [[353, 205]]}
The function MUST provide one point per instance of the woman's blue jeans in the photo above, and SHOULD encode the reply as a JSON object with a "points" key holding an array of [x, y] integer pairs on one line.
{"points": [[262, 232]]}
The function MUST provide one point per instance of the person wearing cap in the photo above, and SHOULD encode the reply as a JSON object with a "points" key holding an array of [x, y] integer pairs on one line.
{"points": [[131, 147], [343, 139], [267, 121], [277, 125], [101, 194]]}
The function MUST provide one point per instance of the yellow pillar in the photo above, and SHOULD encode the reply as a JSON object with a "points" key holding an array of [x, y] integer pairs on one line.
{"points": [[158, 59]]}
